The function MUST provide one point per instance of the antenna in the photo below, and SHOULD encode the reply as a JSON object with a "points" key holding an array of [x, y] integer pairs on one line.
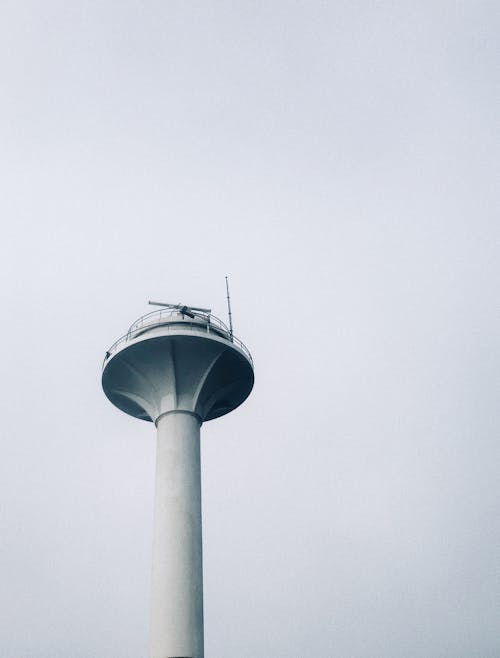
{"points": [[182, 307], [229, 310]]}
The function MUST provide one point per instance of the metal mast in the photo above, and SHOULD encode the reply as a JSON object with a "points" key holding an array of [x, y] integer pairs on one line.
{"points": [[229, 310]]}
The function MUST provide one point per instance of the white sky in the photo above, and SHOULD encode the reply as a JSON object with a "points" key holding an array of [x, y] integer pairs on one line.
{"points": [[338, 160]]}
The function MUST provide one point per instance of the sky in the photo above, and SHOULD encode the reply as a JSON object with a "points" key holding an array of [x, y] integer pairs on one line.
{"points": [[338, 161]]}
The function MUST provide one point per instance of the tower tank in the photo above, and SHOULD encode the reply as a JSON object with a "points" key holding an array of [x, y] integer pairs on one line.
{"points": [[177, 367]]}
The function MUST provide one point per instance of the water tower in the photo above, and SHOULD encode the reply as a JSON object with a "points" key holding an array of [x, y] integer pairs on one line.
{"points": [[177, 367]]}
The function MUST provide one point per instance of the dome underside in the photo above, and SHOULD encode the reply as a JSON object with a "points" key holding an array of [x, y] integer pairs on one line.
{"points": [[200, 374]]}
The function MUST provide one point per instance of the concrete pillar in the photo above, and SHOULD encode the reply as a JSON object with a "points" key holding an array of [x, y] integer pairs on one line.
{"points": [[177, 582]]}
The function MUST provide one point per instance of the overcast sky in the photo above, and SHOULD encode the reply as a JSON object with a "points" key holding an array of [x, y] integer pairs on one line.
{"points": [[338, 160]]}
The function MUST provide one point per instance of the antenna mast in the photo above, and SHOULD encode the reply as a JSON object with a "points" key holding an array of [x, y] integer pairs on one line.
{"points": [[229, 310]]}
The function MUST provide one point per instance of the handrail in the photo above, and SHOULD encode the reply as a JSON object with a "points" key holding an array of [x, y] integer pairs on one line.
{"points": [[167, 313], [165, 317]]}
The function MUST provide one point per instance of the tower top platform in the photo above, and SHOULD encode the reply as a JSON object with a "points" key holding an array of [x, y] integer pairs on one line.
{"points": [[177, 360]]}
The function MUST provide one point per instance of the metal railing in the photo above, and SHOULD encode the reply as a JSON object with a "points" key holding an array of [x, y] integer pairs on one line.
{"points": [[170, 320]]}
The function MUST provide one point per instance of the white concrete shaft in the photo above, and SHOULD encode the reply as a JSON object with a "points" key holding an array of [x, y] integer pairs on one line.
{"points": [[177, 587]]}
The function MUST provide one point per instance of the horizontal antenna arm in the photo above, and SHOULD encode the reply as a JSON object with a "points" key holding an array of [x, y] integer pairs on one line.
{"points": [[192, 308], [202, 310], [164, 304]]}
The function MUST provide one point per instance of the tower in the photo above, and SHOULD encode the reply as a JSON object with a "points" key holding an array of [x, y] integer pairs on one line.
{"points": [[177, 367]]}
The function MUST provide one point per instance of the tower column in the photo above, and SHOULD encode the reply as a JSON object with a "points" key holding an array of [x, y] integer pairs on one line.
{"points": [[177, 580]]}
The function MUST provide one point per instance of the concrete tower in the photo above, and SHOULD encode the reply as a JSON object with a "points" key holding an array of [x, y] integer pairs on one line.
{"points": [[177, 367]]}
